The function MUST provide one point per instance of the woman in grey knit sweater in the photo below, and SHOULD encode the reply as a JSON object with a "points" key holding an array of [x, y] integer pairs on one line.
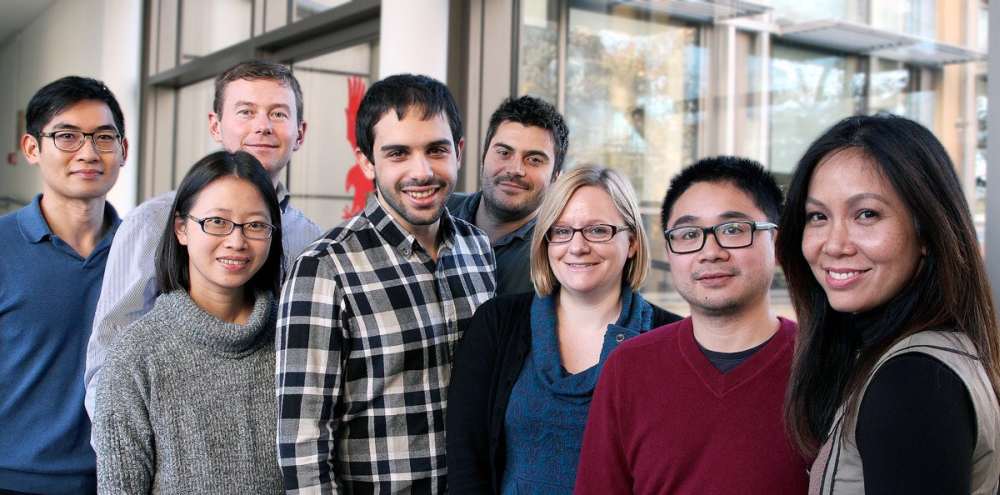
{"points": [[186, 403]]}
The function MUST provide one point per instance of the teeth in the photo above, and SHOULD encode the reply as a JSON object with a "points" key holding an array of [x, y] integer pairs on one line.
{"points": [[842, 276], [231, 262], [421, 194]]}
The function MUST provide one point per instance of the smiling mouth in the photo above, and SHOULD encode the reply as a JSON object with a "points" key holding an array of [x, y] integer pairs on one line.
{"points": [[230, 261], [423, 194]]}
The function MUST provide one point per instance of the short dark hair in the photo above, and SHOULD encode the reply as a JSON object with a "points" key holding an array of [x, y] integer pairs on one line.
{"points": [[402, 93], [172, 258], [531, 112], [56, 96], [747, 175], [253, 70]]}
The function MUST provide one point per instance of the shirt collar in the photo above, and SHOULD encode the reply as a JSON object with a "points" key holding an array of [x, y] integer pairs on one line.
{"points": [[396, 235], [283, 196], [467, 211], [35, 229]]}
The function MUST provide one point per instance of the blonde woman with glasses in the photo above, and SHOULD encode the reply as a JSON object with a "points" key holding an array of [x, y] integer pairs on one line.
{"points": [[526, 367]]}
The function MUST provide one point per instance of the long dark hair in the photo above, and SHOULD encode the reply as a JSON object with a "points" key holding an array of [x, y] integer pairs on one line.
{"points": [[172, 258], [948, 291]]}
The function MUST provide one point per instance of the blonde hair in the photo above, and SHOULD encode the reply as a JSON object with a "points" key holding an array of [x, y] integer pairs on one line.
{"points": [[623, 197]]}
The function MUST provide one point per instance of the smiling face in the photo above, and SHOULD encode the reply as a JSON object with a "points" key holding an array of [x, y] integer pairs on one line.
{"points": [[416, 165], [259, 117], [584, 268], [84, 173], [718, 281], [224, 264], [859, 239], [517, 170]]}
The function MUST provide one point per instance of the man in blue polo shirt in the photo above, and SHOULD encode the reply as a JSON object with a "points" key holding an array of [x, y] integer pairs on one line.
{"points": [[52, 256]]}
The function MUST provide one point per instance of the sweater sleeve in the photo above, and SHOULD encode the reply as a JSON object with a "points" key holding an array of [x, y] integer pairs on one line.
{"points": [[603, 467], [916, 429], [468, 423], [123, 434]]}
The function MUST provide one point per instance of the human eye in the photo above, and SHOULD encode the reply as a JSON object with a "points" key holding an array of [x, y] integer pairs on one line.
{"points": [[279, 115], [559, 233], [438, 151], [105, 137], [599, 231], [685, 234], [867, 215], [503, 152], [67, 136], [815, 217], [733, 229], [258, 227], [244, 112], [536, 161]]}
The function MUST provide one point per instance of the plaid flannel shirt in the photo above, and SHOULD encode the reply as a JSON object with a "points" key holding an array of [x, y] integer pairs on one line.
{"points": [[366, 330]]}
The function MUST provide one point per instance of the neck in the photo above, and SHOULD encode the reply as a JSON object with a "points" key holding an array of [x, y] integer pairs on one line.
{"points": [[590, 309], [496, 227], [426, 235], [229, 306], [735, 331], [78, 222]]}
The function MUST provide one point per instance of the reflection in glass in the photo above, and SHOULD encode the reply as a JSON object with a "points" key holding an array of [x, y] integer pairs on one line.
{"points": [[633, 83], [306, 8], [538, 52], [810, 91], [211, 26], [797, 10]]}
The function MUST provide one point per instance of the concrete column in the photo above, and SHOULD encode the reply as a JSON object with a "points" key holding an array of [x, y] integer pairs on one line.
{"points": [[414, 38], [993, 158]]}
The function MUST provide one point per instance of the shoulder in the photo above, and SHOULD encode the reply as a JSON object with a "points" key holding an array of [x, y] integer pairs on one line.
{"points": [[458, 201], [653, 338], [470, 237], [353, 235], [293, 220], [141, 341], [149, 218], [508, 306]]}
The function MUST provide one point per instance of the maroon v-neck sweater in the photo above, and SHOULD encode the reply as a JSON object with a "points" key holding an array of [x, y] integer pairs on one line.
{"points": [[664, 420]]}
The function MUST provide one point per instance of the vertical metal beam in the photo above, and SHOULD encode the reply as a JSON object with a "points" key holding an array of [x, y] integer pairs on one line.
{"points": [[993, 157]]}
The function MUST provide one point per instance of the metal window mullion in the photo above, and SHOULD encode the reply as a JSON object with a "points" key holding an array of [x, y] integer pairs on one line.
{"points": [[563, 53]]}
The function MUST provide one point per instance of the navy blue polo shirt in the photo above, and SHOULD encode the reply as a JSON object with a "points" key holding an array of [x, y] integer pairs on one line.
{"points": [[47, 298]]}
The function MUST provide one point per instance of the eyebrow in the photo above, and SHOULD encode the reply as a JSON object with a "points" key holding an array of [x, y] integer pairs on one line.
{"points": [[228, 211], [527, 153], [726, 215], [71, 127], [851, 200]]}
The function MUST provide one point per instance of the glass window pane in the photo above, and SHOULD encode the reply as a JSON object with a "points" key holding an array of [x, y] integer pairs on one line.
{"points": [[895, 88], [325, 182], [904, 16], [306, 8], [211, 26], [797, 10], [538, 53], [810, 91], [193, 140], [633, 83]]}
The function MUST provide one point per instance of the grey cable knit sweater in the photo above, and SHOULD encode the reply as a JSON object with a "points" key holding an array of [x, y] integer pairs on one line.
{"points": [[186, 404]]}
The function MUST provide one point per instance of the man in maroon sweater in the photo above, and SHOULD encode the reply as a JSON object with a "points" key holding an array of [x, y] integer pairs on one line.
{"points": [[695, 407]]}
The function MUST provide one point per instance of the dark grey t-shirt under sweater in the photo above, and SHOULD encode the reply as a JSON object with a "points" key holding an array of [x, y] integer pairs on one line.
{"points": [[186, 404]]}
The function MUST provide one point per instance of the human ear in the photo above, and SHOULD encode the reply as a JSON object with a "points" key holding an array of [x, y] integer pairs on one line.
{"points": [[366, 166], [31, 148], [180, 230]]}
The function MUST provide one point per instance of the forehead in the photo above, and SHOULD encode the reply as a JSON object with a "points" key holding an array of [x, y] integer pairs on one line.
{"points": [[708, 201], [85, 114], [230, 193], [589, 203], [264, 92], [518, 135], [412, 129], [849, 171]]}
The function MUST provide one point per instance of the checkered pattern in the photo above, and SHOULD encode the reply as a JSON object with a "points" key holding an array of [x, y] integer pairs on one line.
{"points": [[366, 330]]}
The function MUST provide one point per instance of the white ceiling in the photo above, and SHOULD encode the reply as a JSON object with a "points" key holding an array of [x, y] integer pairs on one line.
{"points": [[16, 14]]}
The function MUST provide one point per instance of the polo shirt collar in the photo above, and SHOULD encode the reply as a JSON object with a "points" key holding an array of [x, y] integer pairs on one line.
{"points": [[35, 229], [398, 237], [469, 207]]}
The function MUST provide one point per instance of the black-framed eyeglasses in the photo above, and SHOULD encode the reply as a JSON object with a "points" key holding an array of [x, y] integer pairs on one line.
{"points": [[68, 140], [221, 227], [729, 235], [598, 232]]}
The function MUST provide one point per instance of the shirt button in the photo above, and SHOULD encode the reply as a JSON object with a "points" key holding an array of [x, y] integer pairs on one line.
{"points": [[619, 337], [406, 252]]}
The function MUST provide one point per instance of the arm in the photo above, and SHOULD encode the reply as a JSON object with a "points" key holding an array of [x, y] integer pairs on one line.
{"points": [[310, 348], [468, 427], [128, 290], [123, 435], [916, 429], [603, 467]]}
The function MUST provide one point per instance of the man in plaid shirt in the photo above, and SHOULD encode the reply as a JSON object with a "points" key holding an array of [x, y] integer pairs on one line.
{"points": [[370, 313]]}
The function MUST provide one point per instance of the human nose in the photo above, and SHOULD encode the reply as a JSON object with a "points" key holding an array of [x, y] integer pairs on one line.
{"points": [[578, 244], [88, 151], [236, 239], [262, 123], [422, 167], [838, 240], [712, 250]]}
